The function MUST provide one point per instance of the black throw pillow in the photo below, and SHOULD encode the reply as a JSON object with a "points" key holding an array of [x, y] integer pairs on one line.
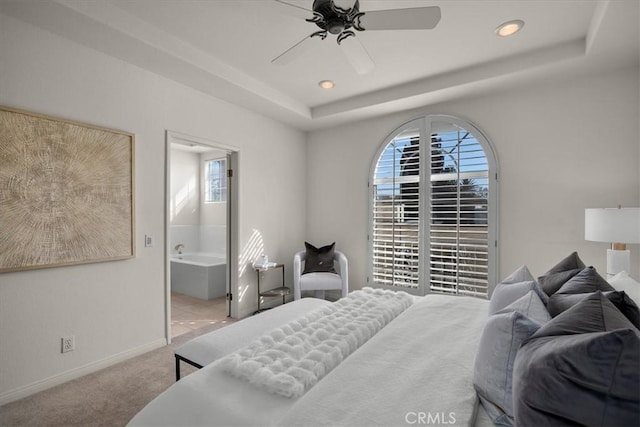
{"points": [[553, 279], [580, 368], [319, 260]]}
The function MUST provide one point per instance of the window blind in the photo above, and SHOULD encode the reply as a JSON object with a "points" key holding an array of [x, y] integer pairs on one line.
{"points": [[451, 209], [396, 213], [458, 216]]}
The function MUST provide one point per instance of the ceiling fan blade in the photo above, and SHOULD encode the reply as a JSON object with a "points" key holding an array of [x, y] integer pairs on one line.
{"points": [[415, 18], [293, 10], [357, 55], [293, 52]]}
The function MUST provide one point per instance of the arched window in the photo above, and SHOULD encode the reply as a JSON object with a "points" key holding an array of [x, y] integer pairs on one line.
{"points": [[433, 209]]}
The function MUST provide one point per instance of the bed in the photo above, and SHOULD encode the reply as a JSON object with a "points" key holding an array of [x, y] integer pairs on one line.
{"points": [[404, 387], [442, 360]]}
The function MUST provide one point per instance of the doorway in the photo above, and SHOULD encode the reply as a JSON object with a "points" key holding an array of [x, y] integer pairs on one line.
{"points": [[200, 226]]}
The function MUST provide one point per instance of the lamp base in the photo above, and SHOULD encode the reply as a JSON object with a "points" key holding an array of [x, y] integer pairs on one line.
{"points": [[618, 261]]}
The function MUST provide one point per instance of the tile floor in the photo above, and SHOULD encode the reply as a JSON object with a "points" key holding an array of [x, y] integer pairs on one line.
{"points": [[188, 313]]}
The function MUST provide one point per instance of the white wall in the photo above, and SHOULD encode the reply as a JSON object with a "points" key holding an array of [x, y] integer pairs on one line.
{"points": [[561, 146], [197, 225], [184, 201], [116, 309], [185, 188]]}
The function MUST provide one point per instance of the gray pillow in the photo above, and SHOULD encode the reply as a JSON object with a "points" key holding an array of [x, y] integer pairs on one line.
{"points": [[506, 293], [531, 306], [581, 368], [522, 274], [561, 302], [319, 260], [499, 343], [553, 279], [587, 280]]}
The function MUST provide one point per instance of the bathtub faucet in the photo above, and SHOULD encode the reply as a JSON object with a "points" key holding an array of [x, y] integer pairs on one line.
{"points": [[179, 247]]}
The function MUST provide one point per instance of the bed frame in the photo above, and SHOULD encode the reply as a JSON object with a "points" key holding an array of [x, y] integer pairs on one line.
{"points": [[207, 348]]}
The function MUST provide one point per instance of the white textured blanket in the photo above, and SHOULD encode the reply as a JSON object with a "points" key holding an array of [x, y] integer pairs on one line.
{"points": [[293, 358]]}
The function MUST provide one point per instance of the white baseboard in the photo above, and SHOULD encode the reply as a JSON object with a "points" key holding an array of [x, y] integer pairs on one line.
{"points": [[55, 380]]}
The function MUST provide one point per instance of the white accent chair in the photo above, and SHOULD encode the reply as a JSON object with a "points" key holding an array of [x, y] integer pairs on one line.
{"points": [[320, 282]]}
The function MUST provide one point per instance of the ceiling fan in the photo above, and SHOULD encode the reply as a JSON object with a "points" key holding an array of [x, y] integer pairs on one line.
{"points": [[343, 18]]}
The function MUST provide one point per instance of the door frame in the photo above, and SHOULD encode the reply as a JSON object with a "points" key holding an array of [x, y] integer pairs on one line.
{"points": [[232, 220]]}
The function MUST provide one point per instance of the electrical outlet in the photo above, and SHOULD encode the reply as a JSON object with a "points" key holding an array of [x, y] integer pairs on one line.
{"points": [[148, 241], [68, 344]]}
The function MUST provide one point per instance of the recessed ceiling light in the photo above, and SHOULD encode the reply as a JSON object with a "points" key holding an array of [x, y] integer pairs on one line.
{"points": [[509, 28], [326, 84]]}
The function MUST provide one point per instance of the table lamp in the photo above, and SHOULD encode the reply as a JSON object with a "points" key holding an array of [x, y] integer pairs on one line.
{"points": [[618, 226]]}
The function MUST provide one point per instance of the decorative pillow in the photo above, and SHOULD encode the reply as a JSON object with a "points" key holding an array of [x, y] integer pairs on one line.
{"points": [[506, 293], [623, 282], [522, 274], [560, 302], [319, 260], [591, 314], [581, 368], [530, 305], [587, 280], [499, 343], [553, 279]]}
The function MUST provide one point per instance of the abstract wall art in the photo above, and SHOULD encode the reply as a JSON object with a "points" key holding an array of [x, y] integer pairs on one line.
{"points": [[66, 192]]}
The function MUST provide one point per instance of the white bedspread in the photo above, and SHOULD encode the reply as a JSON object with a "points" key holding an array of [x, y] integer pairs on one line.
{"points": [[291, 359], [419, 365]]}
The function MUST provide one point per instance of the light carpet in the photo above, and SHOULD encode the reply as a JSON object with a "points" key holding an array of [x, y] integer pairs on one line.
{"points": [[109, 397]]}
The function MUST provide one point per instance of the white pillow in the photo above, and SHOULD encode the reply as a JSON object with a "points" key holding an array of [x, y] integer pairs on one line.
{"points": [[623, 282]]}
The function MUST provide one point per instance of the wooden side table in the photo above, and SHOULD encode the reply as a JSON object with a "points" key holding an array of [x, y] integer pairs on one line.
{"points": [[282, 291]]}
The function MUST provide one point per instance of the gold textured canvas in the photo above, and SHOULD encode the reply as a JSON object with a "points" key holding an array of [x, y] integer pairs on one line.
{"points": [[66, 192]]}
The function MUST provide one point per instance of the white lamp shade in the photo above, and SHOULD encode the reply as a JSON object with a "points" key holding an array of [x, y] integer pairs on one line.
{"points": [[612, 225]]}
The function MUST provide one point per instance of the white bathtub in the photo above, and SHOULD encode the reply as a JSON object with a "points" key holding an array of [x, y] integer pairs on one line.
{"points": [[199, 275]]}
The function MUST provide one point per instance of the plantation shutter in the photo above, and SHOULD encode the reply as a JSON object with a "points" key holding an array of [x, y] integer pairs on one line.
{"points": [[459, 213], [434, 235], [396, 231]]}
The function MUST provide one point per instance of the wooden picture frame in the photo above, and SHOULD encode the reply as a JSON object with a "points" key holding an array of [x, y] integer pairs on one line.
{"points": [[66, 192]]}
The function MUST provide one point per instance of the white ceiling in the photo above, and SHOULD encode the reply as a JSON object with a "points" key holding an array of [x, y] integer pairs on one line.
{"points": [[225, 48]]}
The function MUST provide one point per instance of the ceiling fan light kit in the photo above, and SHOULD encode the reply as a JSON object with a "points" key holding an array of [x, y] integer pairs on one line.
{"points": [[343, 19]]}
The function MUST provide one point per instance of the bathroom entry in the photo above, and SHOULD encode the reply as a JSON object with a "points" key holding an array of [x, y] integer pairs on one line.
{"points": [[198, 237]]}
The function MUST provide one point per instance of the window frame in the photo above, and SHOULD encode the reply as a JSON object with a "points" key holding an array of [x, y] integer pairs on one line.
{"points": [[223, 172], [424, 125]]}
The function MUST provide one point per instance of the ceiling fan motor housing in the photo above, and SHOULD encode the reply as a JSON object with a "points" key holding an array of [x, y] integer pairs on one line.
{"points": [[335, 19]]}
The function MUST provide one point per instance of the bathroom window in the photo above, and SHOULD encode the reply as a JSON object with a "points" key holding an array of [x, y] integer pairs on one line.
{"points": [[215, 180]]}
